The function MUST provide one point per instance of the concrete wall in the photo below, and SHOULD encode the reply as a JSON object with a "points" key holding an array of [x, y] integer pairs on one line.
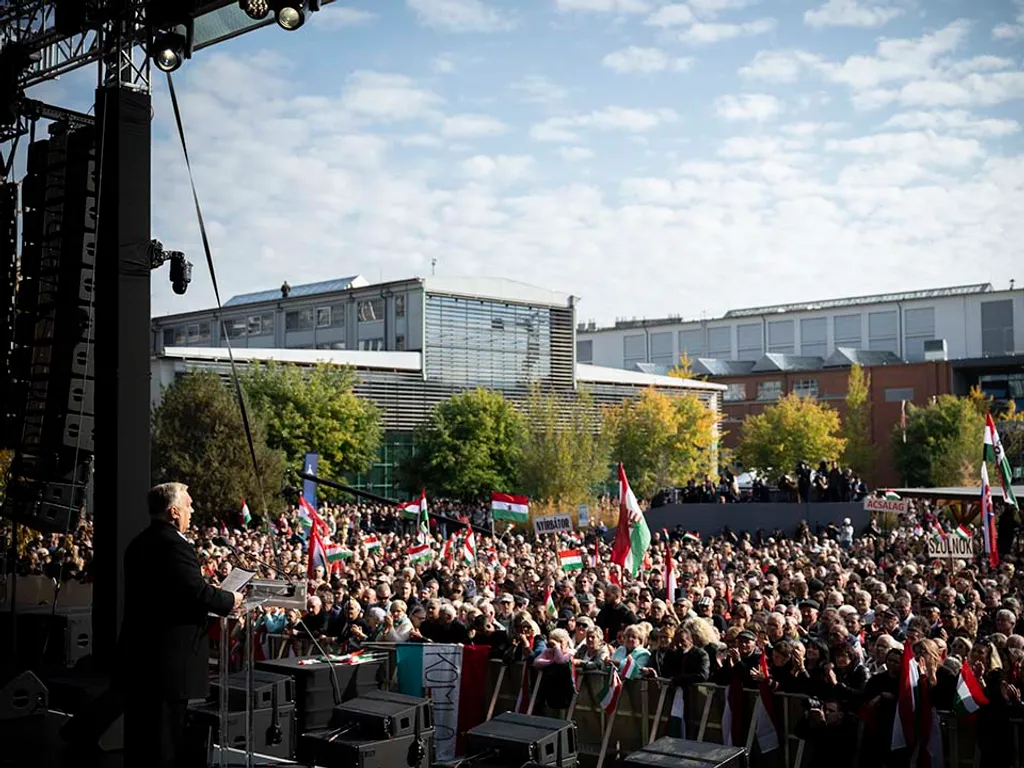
{"points": [[709, 519]]}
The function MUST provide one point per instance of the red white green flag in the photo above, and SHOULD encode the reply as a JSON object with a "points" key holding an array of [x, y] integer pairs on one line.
{"points": [[970, 697], [994, 452], [633, 537], [570, 560]]}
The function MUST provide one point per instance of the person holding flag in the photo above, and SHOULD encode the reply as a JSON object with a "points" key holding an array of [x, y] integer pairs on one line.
{"points": [[633, 537]]}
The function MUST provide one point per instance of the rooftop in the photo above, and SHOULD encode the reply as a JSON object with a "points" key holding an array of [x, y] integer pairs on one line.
{"points": [[307, 289]]}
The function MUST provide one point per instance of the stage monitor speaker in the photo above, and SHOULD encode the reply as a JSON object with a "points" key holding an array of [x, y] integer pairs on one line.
{"points": [[263, 685], [384, 715], [202, 732], [519, 739], [667, 752], [328, 750], [23, 696]]}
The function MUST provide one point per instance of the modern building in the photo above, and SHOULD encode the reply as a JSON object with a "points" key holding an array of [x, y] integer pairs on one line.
{"points": [[413, 343]]}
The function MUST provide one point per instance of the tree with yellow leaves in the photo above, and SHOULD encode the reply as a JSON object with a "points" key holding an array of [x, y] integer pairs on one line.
{"points": [[794, 429]]}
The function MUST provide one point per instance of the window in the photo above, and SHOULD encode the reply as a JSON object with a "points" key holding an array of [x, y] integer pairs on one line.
{"points": [[400, 305], [769, 390], [371, 345], [299, 320], [168, 337], [997, 327], [371, 310], [847, 331], [323, 317], [918, 327], [720, 342], [585, 351], [780, 337], [735, 392], [691, 342], [634, 350], [179, 335], [749, 344], [898, 394], [400, 342], [192, 333], [337, 315], [235, 327], [662, 351], [806, 387], [883, 332], [813, 337], [255, 325]]}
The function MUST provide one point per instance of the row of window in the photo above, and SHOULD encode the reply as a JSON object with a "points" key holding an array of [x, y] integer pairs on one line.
{"points": [[769, 391]]}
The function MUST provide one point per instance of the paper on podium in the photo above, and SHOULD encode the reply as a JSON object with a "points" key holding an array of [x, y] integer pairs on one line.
{"points": [[237, 579]]}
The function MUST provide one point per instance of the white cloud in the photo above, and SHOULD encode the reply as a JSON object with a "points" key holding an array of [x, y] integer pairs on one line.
{"points": [[958, 120], [974, 90], [539, 90], [779, 66], [925, 148], [387, 97], [706, 34], [746, 147], [338, 16], [709, 9], [1014, 30], [498, 169], [672, 15], [808, 129], [575, 154], [748, 106], [420, 140], [566, 129], [851, 13], [603, 6], [459, 16], [472, 127], [443, 64], [644, 60]]}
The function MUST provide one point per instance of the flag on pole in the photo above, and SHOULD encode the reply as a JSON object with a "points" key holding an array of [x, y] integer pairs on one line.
{"points": [[336, 553], [469, 548], [732, 714], [570, 560], [549, 605], [962, 533], [310, 520], [371, 542], [891, 495], [994, 452], [970, 696], [317, 554], [246, 514], [448, 548], [903, 419], [671, 585], [939, 529], [988, 519], [410, 509], [418, 552], [423, 536], [609, 695], [505, 506], [633, 537], [691, 538], [903, 734]]}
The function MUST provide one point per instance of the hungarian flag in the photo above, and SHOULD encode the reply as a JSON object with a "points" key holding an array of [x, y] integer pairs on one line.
{"points": [[246, 514], [570, 560], [336, 553], [988, 519], [423, 532], [448, 548], [505, 506], [371, 542], [970, 697], [418, 552], [469, 548], [732, 715], [903, 731], [633, 537], [609, 695], [691, 538], [310, 520], [891, 495], [962, 533], [410, 509], [317, 554], [549, 605], [994, 452], [764, 712], [670, 577]]}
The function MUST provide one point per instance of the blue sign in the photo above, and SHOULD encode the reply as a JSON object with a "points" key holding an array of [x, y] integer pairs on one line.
{"points": [[308, 486]]}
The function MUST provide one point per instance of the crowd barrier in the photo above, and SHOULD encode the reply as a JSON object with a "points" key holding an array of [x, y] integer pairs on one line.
{"points": [[644, 707]]}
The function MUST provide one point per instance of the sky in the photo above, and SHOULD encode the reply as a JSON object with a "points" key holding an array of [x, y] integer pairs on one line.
{"points": [[652, 158]]}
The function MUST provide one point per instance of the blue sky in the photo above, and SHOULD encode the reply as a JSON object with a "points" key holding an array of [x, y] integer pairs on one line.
{"points": [[652, 158]]}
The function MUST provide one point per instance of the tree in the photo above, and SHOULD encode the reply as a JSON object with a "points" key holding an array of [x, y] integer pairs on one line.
{"points": [[684, 370], [198, 439], [471, 446], [860, 448], [315, 410], [794, 429], [662, 440], [6, 457], [943, 445], [564, 455]]}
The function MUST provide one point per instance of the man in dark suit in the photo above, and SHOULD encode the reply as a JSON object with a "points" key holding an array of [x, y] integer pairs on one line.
{"points": [[164, 645]]}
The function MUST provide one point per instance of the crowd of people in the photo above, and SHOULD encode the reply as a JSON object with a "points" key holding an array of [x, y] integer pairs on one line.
{"points": [[831, 610], [828, 483]]}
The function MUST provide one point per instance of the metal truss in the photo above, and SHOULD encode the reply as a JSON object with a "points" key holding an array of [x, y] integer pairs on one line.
{"points": [[32, 23]]}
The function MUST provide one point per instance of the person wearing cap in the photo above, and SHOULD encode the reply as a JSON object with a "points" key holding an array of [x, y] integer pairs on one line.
{"points": [[741, 660]]}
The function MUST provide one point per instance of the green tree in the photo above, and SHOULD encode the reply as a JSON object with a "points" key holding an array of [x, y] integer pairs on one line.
{"points": [[684, 370], [471, 445], [943, 445], [314, 409], [860, 448], [661, 439], [564, 455], [198, 439], [6, 457], [793, 429]]}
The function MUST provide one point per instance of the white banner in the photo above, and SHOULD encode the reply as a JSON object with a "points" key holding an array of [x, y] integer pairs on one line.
{"points": [[950, 547], [583, 515], [552, 524], [441, 677], [877, 504]]}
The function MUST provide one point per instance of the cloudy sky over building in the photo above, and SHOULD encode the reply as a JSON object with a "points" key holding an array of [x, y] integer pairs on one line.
{"points": [[652, 158]]}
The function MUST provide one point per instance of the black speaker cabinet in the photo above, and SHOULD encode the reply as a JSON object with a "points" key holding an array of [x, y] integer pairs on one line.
{"points": [[202, 730], [667, 752], [519, 739], [384, 715], [263, 685], [329, 749], [23, 696]]}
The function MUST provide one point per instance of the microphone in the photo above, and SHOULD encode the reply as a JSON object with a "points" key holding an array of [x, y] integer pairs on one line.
{"points": [[221, 541]]}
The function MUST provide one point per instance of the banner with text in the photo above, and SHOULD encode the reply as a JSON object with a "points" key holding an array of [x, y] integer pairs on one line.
{"points": [[433, 669], [308, 486], [552, 524], [950, 547], [878, 504]]}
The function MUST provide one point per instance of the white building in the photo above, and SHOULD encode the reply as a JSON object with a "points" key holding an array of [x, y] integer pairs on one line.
{"points": [[960, 322]]}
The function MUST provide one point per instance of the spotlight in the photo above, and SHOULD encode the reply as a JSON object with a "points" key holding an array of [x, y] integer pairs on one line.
{"points": [[256, 10], [290, 14], [168, 51], [181, 272]]}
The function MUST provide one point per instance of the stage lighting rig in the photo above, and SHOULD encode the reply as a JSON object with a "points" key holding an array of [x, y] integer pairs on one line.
{"points": [[291, 14], [170, 49], [257, 10], [181, 268]]}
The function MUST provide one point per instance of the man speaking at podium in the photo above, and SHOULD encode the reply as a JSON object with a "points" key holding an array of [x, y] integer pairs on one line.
{"points": [[164, 647]]}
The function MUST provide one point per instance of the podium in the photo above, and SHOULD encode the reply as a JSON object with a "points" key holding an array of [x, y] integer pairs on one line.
{"points": [[261, 591]]}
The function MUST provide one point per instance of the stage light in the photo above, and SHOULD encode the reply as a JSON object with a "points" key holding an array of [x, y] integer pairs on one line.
{"points": [[168, 51], [256, 10], [290, 14]]}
